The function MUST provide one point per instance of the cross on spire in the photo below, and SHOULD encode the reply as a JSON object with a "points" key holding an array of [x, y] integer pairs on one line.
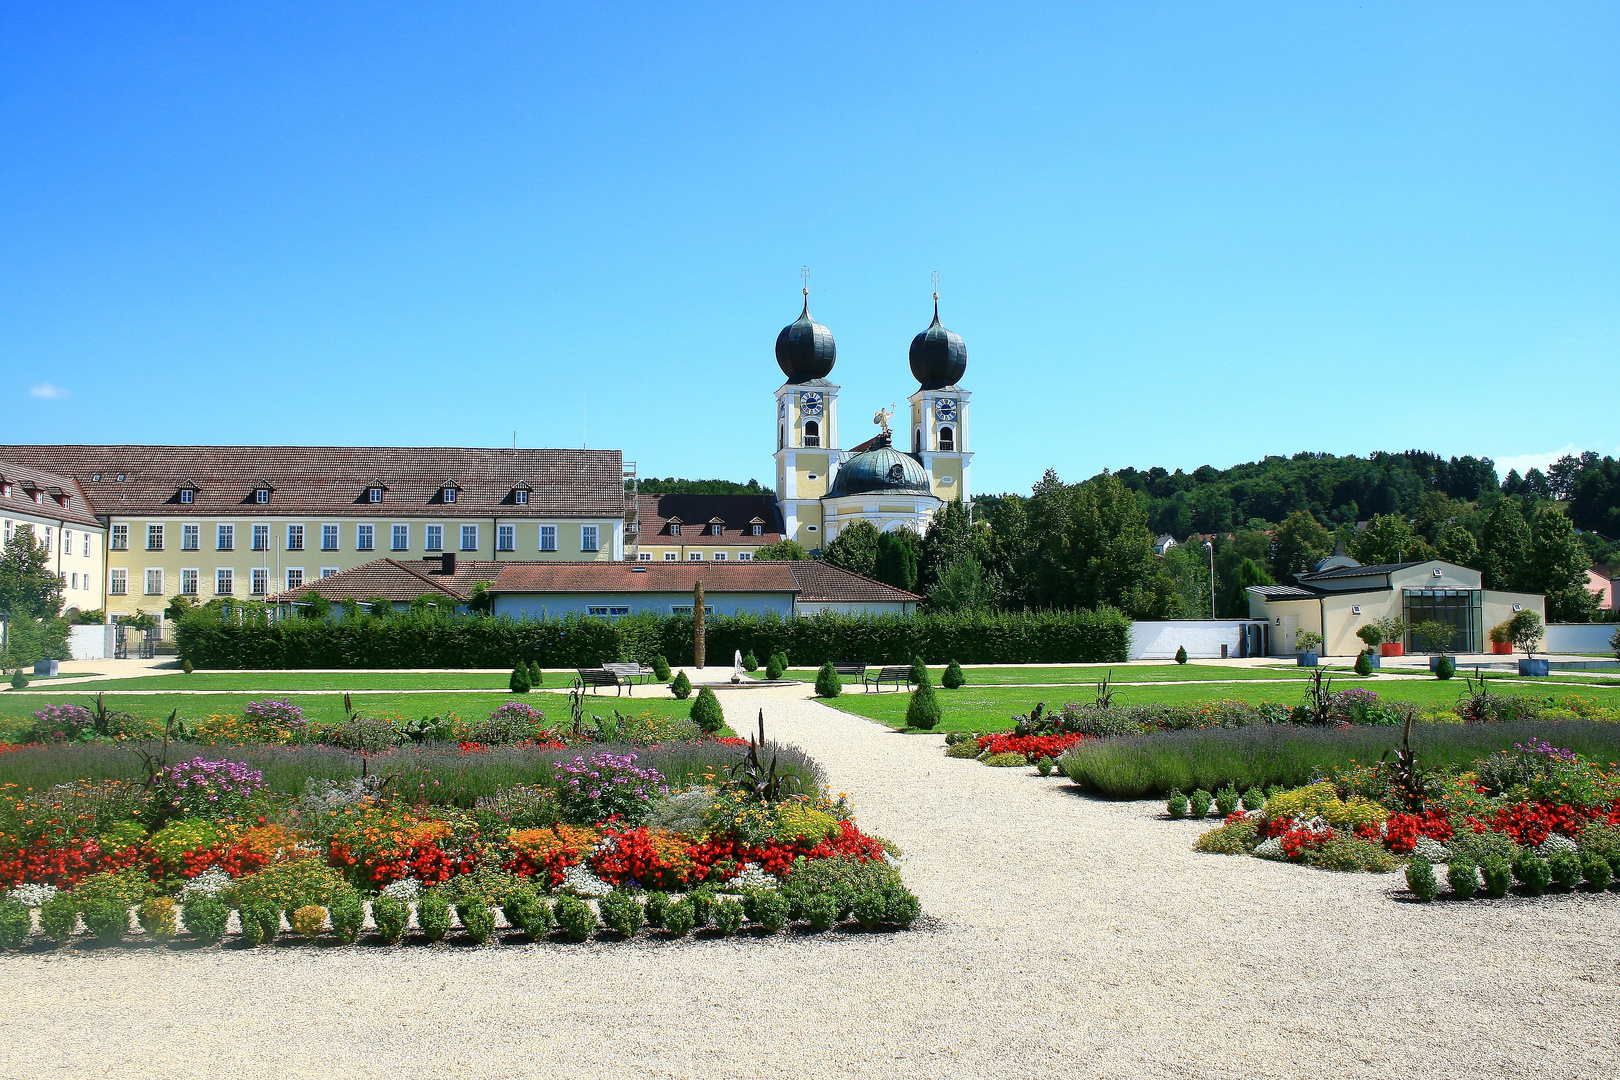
{"points": [[804, 276], [934, 277]]}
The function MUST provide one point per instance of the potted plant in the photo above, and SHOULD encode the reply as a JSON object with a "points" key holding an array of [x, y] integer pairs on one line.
{"points": [[1524, 633], [1433, 636], [1501, 636], [1306, 642], [1393, 628], [1372, 636]]}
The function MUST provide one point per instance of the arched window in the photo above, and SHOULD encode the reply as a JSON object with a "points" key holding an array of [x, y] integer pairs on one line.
{"points": [[916, 440], [812, 433], [781, 439], [947, 439]]}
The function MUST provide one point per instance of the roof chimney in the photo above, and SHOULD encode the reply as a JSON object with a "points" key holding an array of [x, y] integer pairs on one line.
{"points": [[448, 563]]}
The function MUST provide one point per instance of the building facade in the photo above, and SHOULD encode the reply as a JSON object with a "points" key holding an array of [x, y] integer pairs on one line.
{"points": [[705, 528], [53, 508]]}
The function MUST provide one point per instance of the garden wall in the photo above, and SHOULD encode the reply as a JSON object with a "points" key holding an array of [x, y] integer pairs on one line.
{"points": [[1202, 638], [1588, 638], [412, 639]]}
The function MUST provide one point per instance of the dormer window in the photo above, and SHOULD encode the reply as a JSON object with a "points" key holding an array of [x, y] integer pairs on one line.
{"points": [[261, 495], [674, 528], [374, 495], [187, 496], [449, 494], [714, 530], [520, 497], [759, 530]]}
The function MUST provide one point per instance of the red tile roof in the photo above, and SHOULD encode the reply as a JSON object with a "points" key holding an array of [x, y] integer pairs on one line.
{"points": [[62, 498], [821, 582], [332, 480], [398, 579], [697, 512], [617, 577]]}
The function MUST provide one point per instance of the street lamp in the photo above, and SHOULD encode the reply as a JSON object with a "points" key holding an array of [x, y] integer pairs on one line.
{"points": [[1209, 547]]}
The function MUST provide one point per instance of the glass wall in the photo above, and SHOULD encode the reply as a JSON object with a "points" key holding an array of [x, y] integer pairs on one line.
{"points": [[1462, 609]]}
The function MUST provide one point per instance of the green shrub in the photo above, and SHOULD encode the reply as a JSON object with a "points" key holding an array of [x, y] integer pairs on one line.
{"points": [[1445, 668], [769, 908], [775, 666], [660, 668], [156, 916], [1480, 848], [728, 916], [348, 914], [1363, 664], [1176, 805], [870, 907], [828, 684], [477, 919], [841, 878], [536, 920], [923, 711], [681, 687], [678, 918], [902, 907], [1463, 875], [206, 918], [433, 914], [1200, 801], [286, 886], [1237, 838], [1498, 877], [656, 905], [308, 921], [107, 919], [706, 712], [536, 676], [575, 917], [519, 682], [1345, 851], [1009, 760], [1226, 801], [750, 661], [621, 911], [919, 672], [1045, 765], [969, 749], [59, 917], [1533, 873], [1595, 870], [702, 906], [261, 924], [1420, 879], [822, 911], [391, 916], [1565, 867], [1253, 798], [19, 681], [953, 679], [15, 923], [1181, 654]]}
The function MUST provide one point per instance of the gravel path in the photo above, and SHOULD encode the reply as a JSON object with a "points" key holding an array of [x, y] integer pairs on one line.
{"points": [[1067, 937]]}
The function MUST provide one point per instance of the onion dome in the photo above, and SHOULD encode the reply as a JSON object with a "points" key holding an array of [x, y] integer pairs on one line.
{"points": [[805, 349], [881, 470], [938, 357]]}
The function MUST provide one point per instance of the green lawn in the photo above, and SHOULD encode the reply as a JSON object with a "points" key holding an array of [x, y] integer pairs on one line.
{"points": [[281, 681], [991, 708], [1089, 674]]}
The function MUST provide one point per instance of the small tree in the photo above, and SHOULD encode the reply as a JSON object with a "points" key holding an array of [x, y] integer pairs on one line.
{"points": [[1181, 654], [1525, 631], [953, 678], [699, 628], [1433, 635], [536, 676], [316, 606], [1371, 635], [519, 682], [828, 684], [750, 661], [923, 711], [681, 687], [706, 712], [1307, 641], [776, 666], [1393, 628]]}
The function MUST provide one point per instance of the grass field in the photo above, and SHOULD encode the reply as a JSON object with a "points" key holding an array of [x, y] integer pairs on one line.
{"points": [[282, 681], [991, 708], [1088, 674]]}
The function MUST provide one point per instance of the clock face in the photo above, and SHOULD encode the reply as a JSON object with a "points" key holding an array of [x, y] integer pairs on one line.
{"points": [[945, 408], [811, 404]]}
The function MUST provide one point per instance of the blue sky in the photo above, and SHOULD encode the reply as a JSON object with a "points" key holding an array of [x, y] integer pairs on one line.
{"points": [[1170, 234]]}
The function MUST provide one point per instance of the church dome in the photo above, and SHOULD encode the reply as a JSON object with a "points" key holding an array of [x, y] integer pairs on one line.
{"points": [[938, 357], [805, 349], [881, 470]]}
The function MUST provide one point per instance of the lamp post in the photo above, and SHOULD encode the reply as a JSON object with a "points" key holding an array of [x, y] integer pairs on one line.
{"points": [[1210, 547]]}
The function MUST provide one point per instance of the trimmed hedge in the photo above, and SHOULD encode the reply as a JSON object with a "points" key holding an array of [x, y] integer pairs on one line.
{"points": [[429, 639]]}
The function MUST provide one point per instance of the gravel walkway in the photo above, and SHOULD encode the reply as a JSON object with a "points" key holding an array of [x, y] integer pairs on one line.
{"points": [[1067, 937]]}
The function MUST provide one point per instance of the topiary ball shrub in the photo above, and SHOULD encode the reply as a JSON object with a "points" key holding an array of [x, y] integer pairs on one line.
{"points": [[681, 687], [1498, 877], [1254, 799], [923, 711], [655, 907], [775, 666], [953, 679], [1200, 801], [391, 916], [728, 916], [1445, 669], [59, 918], [1226, 801], [1533, 873], [1463, 876], [1420, 879], [750, 661], [622, 912], [706, 712], [185, 666], [1044, 766], [477, 919], [1363, 664], [308, 921], [1181, 654], [1177, 804], [1596, 871], [822, 910], [1566, 870], [206, 918], [519, 682], [15, 923], [433, 914], [660, 668], [575, 917], [828, 684], [348, 915], [107, 919], [536, 920], [156, 917], [678, 918], [769, 909]]}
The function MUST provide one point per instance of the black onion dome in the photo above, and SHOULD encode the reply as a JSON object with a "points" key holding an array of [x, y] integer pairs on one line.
{"points": [[938, 357], [805, 349]]}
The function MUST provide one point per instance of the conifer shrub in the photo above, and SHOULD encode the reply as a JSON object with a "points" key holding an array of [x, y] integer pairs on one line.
{"points": [[660, 668], [1498, 877], [953, 679], [185, 666], [433, 914], [681, 687], [728, 916], [1199, 802], [59, 918], [477, 919], [1181, 654], [1445, 668], [678, 918], [1463, 876], [775, 666], [260, 924], [1177, 804], [206, 918], [750, 661], [622, 913], [702, 906], [18, 679], [1253, 799], [156, 916], [828, 684], [536, 676], [1420, 879], [1363, 664], [575, 917], [391, 915], [706, 712], [923, 711], [656, 906], [519, 682], [15, 923], [919, 672], [308, 921], [348, 915]]}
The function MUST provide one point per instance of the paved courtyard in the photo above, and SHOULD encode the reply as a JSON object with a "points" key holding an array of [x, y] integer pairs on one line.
{"points": [[1065, 936]]}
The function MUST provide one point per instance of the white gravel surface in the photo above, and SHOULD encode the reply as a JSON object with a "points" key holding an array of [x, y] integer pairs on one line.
{"points": [[1068, 937]]}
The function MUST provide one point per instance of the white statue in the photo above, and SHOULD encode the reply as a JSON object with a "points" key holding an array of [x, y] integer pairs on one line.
{"points": [[881, 418]]}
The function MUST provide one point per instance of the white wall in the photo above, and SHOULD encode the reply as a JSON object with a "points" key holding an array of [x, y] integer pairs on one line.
{"points": [[518, 605], [90, 642], [1590, 638], [1202, 638]]}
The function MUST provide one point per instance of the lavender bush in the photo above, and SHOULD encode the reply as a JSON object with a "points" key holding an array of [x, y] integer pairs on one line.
{"points": [[61, 723], [199, 786], [605, 785], [275, 714]]}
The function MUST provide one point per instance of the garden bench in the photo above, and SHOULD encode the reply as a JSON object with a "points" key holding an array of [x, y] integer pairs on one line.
{"points": [[853, 671], [630, 674], [599, 676], [899, 674]]}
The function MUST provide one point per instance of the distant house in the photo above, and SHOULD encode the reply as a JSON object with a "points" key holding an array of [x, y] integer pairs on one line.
{"points": [[1163, 544], [704, 528], [536, 590], [1601, 580]]}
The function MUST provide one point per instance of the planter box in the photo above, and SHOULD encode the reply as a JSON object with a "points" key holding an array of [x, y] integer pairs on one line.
{"points": [[46, 667], [1533, 667], [1434, 663], [1501, 648], [1375, 661], [1392, 648], [1307, 659]]}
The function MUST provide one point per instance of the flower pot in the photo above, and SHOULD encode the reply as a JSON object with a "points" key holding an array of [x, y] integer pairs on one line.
{"points": [[1376, 662], [1434, 662], [1391, 648], [1307, 659], [1502, 648], [1533, 667]]}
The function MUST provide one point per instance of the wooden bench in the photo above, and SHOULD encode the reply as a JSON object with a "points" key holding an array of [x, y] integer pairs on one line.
{"points": [[630, 674], [598, 676], [899, 674], [854, 671]]}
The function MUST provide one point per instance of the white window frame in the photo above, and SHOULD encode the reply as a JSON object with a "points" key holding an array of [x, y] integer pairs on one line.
{"points": [[120, 537], [643, 556], [670, 556], [759, 530], [117, 581], [151, 570], [224, 581], [506, 538], [67, 541], [190, 537], [73, 582], [225, 538], [717, 530], [261, 495], [719, 556], [295, 529], [448, 495], [472, 531], [261, 538], [259, 581], [187, 496], [328, 571], [365, 538], [87, 547], [745, 556], [399, 537], [694, 556], [154, 532], [434, 538], [374, 495], [333, 531], [190, 575], [548, 532], [590, 538], [291, 570], [946, 431], [520, 497]]}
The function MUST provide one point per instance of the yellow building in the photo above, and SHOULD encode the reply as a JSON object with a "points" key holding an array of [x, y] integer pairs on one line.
{"points": [[53, 508], [213, 521], [704, 528]]}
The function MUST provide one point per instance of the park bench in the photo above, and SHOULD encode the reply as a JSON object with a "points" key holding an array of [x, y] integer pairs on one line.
{"points": [[599, 676], [630, 674], [899, 674], [853, 671]]}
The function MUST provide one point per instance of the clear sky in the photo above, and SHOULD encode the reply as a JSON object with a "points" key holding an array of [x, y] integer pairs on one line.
{"points": [[1170, 234]]}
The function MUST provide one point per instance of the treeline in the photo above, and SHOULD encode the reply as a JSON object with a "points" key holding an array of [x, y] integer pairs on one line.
{"points": [[671, 486], [212, 638]]}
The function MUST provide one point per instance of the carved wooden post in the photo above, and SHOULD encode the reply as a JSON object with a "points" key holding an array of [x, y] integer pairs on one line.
{"points": [[698, 627]]}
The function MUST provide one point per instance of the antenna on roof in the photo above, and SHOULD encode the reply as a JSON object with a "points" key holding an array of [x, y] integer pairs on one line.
{"points": [[514, 439], [584, 425]]}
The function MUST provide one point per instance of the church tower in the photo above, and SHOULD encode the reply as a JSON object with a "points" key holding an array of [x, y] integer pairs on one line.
{"points": [[807, 452], [939, 410]]}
